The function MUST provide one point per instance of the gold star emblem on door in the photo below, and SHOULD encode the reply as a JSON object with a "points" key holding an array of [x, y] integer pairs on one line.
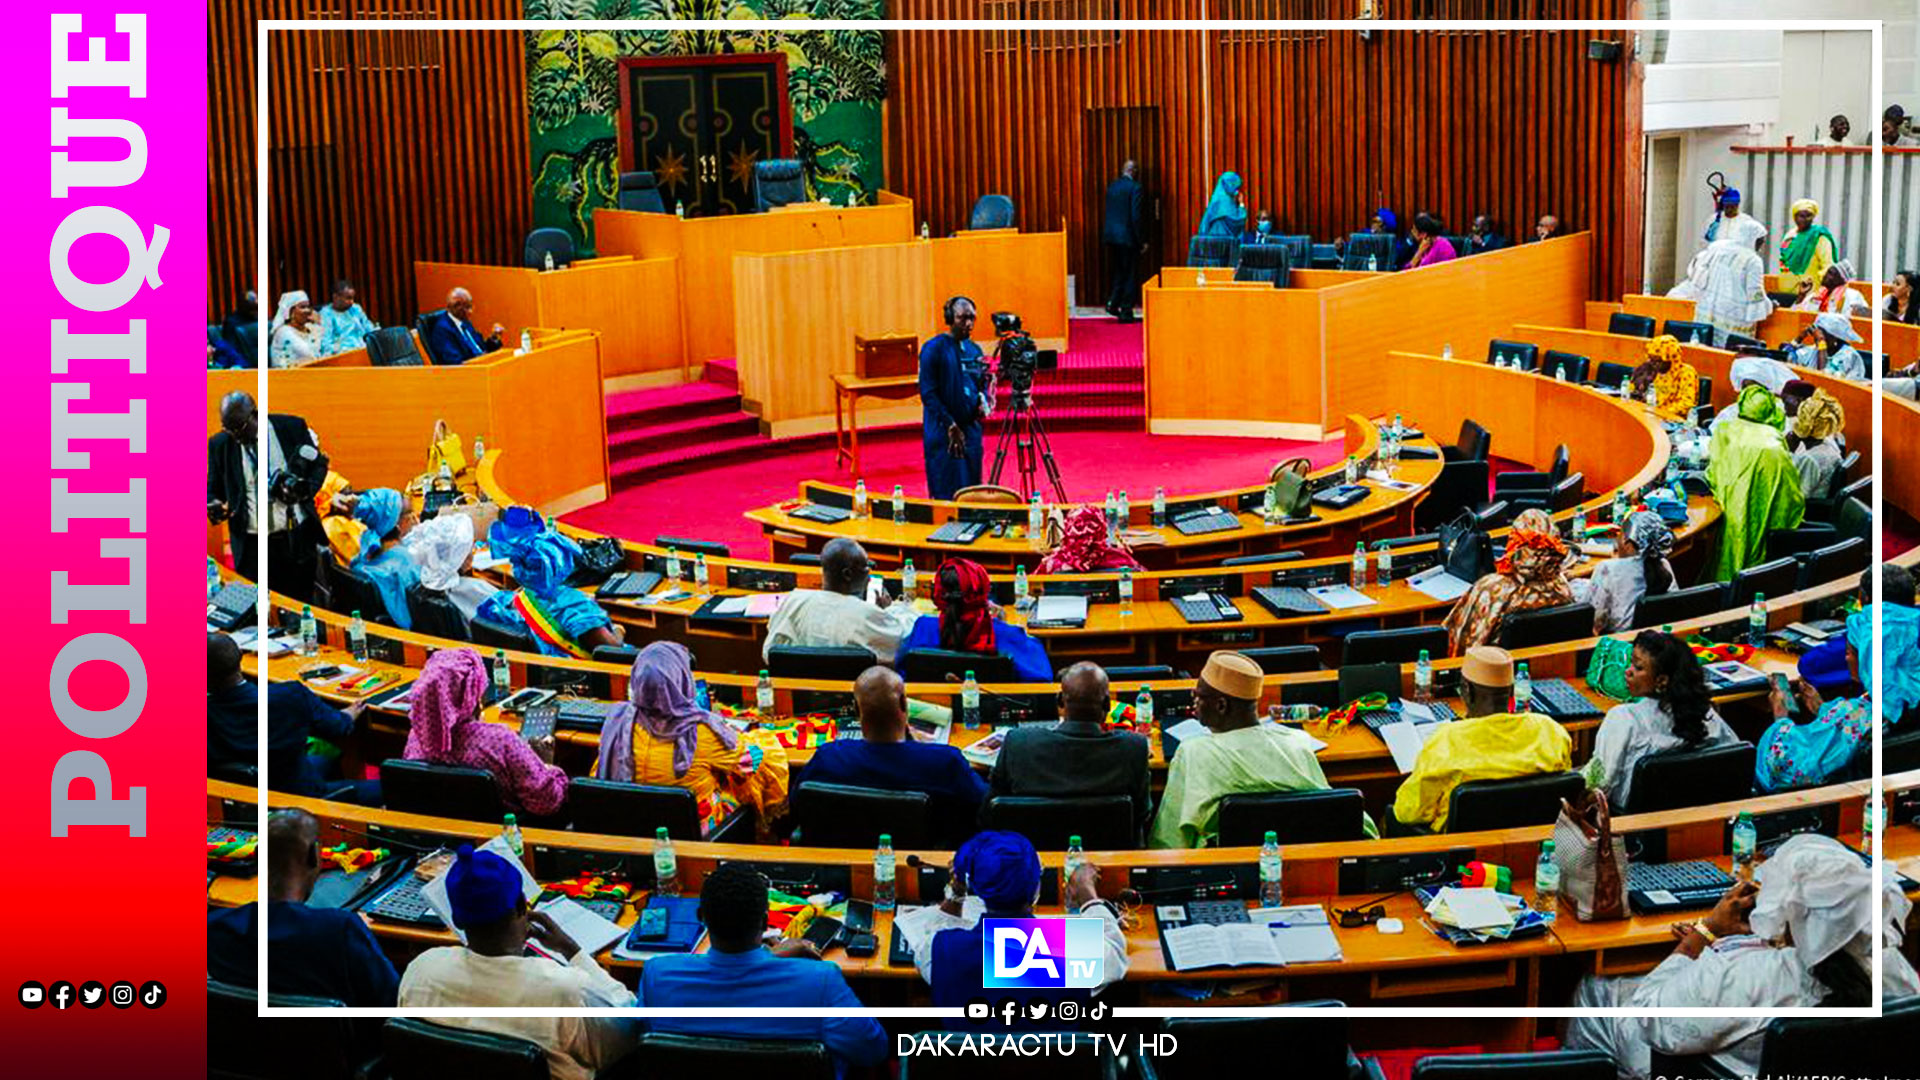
{"points": [[671, 169], [740, 165]]}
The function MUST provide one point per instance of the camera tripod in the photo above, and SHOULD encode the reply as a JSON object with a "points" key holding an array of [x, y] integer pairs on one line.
{"points": [[1022, 427]]}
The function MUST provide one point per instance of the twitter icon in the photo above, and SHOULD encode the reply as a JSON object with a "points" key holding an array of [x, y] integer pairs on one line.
{"points": [[93, 994]]}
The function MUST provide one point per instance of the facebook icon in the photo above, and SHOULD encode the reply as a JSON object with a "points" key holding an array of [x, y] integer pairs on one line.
{"points": [[1050, 953]]}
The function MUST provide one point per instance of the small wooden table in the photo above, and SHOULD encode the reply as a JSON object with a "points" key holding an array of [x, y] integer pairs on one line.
{"points": [[847, 392]]}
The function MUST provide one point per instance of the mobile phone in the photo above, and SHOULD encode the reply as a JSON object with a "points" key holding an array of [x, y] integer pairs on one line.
{"points": [[702, 696], [1780, 684], [862, 945], [324, 671], [859, 916], [652, 925], [538, 722], [823, 932]]}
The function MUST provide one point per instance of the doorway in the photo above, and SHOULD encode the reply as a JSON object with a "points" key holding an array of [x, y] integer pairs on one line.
{"points": [[701, 123], [1113, 136]]}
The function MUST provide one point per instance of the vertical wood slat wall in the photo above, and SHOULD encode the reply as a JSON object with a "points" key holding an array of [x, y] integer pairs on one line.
{"points": [[384, 147]]}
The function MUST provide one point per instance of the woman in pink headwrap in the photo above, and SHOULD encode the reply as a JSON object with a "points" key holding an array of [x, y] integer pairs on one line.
{"points": [[445, 704], [661, 735], [1083, 546]]}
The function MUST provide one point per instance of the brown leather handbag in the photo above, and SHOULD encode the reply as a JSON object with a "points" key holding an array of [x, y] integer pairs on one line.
{"points": [[1593, 864]]}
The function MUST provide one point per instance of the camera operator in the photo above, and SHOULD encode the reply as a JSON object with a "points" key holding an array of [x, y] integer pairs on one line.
{"points": [[295, 470], [955, 396]]}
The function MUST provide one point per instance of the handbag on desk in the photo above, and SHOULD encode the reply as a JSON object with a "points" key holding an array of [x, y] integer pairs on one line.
{"points": [[445, 450], [1593, 864], [1607, 668], [1292, 494], [1465, 549]]}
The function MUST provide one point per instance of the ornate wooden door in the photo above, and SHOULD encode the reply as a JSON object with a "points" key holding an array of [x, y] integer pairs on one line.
{"points": [[699, 123]]}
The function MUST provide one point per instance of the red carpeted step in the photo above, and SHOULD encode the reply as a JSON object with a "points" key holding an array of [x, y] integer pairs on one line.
{"points": [[682, 437], [724, 372], [675, 460], [669, 404]]}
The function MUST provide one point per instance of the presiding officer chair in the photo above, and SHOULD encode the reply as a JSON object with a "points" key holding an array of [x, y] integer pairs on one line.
{"points": [[778, 182], [991, 212], [544, 241], [641, 191]]}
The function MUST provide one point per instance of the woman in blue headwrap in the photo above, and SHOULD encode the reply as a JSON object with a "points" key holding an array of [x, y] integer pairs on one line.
{"points": [[1898, 661], [1226, 212], [562, 620], [1800, 752], [383, 560]]}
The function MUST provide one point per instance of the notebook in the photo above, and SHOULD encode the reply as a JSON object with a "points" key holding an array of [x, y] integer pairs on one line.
{"points": [[1205, 945]]}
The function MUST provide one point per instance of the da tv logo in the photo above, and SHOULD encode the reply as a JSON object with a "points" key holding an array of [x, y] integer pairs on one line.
{"points": [[1042, 953]]}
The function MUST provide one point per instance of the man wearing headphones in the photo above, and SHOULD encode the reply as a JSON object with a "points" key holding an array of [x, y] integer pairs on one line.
{"points": [[952, 403]]}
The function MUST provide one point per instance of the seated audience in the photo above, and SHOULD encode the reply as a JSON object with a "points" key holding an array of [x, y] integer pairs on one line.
{"points": [[1385, 221], [343, 325], [661, 735], [335, 504], [1547, 228], [1260, 231], [738, 971], [311, 951], [1676, 385], [295, 337], [1811, 739], [445, 705], [1670, 711], [1003, 871], [1802, 938], [1901, 305], [1831, 349], [966, 624], [1492, 743], [495, 970], [1835, 292], [1894, 127], [1080, 755], [1814, 436], [1752, 476], [1239, 756], [443, 549], [562, 620], [1432, 247], [1085, 546], [1226, 213], [886, 756], [388, 517], [451, 337], [838, 614], [1484, 235], [1749, 369], [295, 717], [1639, 566], [1807, 249], [1532, 574]]}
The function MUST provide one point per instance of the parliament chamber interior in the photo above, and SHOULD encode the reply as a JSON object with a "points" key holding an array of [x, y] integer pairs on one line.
{"points": [[743, 509]]}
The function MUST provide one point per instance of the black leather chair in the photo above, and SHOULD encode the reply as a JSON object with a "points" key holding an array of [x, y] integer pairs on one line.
{"points": [[1286, 659], [817, 662], [1121, 674], [392, 346], [547, 241], [1102, 822], [1679, 605], [419, 1050], [623, 655], [1269, 557], [1299, 248], [1398, 646], [1855, 520], [1358, 680], [991, 212], [1324, 257], [250, 1047], [777, 183], [1264, 262], [1840, 1046], [1835, 561], [1546, 626], [1697, 332], [1575, 365], [1217, 1046], [640, 191], [1508, 353], [1611, 374], [435, 615], [1473, 444], [1508, 804], [846, 816], [1524, 489], [1212, 251], [712, 549], [354, 591], [420, 324], [244, 773], [1568, 493], [1541, 1065], [1461, 485], [491, 634], [934, 665], [1900, 753], [1828, 509], [1090, 1059], [1736, 342], [1368, 251], [453, 791], [1621, 322], [1299, 817], [1776, 578], [245, 337], [1682, 778], [618, 808]]}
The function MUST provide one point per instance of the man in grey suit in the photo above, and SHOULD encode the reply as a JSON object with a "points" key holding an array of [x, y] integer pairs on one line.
{"points": [[1079, 756], [1123, 231]]}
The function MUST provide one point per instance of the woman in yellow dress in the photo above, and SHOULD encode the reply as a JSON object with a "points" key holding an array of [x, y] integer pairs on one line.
{"points": [[1806, 251], [1676, 385]]}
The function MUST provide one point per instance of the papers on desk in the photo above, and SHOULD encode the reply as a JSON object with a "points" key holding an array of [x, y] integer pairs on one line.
{"points": [[1404, 740], [1301, 932], [917, 925], [751, 606], [435, 892], [277, 645], [672, 594], [986, 751], [1470, 909], [1341, 596], [1205, 945], [347, 671], [1059, 611], [1437, 583], [1295, 732], [591, 931], [483, 559], [1380, 477], [1188, 729]]}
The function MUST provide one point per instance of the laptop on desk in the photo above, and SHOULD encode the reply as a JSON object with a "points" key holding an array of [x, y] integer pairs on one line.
{"points": [[1059, 612]]}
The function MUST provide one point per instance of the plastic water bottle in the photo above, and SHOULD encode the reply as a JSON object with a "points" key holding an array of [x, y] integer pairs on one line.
{"points": [[479, 450], [526, 342], [1757, 621], [309, 631], [1399, 429], [1076, 858], [549, 265], [510, 828], [909, 581], [925, 233], [357, 637], [1159, 507], [1579, 523], [1295, 714], [763, 693], [883, 868], [1359, 566], [1546, 880], [679, 209], [1423, 678], [1270, 505], [1122, 510], [1621, 507], [1200, 279], [1036, 518], [1109, 511], [673, 565], [1022, 591], [1745, 842], [1673, 476], [853, 199], [1383, 573], [502, 677], [970, 701], [860, 498], [1376, 262], [700, 577], [1446, 351], [1353, 469], [1653, 398], [899, 505], [1143, 709], [1522, 688], [1272, 894], [1126, 593], [666, 869]]}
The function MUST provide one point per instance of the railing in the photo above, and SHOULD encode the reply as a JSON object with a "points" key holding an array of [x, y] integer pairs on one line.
{"points": [[1840, 180]]}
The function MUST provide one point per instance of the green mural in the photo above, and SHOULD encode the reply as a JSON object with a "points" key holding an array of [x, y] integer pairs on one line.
{"points": [[835, 82]]}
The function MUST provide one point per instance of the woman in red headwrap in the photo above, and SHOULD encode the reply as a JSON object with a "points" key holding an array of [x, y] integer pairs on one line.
{"points": [[1083, 546], [963, 592]]}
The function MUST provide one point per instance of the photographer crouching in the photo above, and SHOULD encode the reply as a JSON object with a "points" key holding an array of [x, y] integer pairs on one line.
{"points": [[956, 394], [295, 470]]}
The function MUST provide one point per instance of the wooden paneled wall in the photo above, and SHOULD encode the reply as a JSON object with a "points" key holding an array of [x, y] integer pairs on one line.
{"points": [[1321, 125], [383, 147]]}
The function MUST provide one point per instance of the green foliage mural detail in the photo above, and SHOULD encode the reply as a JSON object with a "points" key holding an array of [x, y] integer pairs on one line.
{"points": [[836, 81]]}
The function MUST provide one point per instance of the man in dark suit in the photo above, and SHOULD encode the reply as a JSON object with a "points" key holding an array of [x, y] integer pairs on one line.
{"points": [[1124, 233], [951, 404], [295, 470], [1080, 755], [451, 338]]}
